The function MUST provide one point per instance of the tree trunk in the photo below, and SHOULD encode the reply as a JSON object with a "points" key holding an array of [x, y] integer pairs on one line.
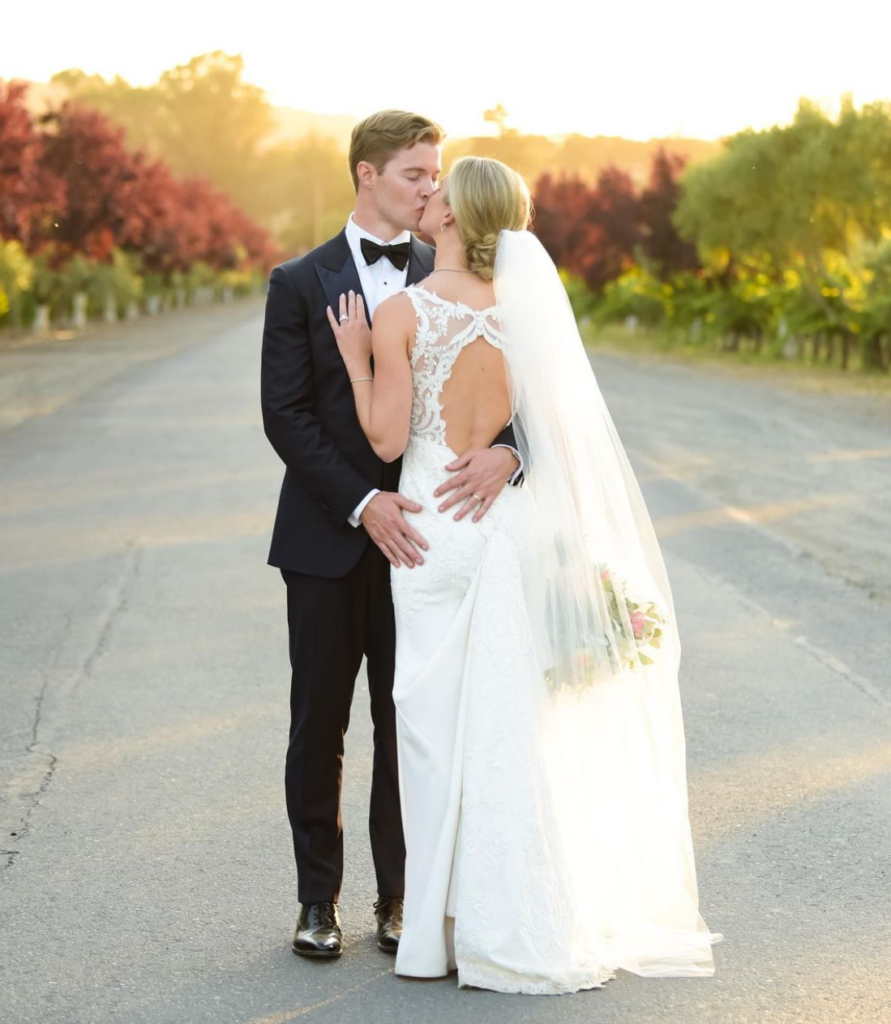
{"points": [[818, 346], [873, 353], [845, 349]]}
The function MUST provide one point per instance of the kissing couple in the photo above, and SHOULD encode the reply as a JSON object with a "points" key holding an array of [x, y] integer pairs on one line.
{"points": [[458, 509]]}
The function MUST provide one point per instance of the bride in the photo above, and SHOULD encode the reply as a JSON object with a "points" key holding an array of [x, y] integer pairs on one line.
{"points": [[541, 745]]}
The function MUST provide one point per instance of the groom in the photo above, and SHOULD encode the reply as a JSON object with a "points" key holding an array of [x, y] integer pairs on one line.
{"points": [[341, 522]]}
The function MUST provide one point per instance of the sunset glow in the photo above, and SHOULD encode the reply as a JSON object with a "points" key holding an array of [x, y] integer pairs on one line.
{"points": [[642, 71]]}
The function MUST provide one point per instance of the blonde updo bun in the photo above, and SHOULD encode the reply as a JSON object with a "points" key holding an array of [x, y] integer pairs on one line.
{"points": [[486, 197]]}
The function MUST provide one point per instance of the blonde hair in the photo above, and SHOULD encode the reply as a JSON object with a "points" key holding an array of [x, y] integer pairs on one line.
{"points": [[486, 196], [380, 136]]}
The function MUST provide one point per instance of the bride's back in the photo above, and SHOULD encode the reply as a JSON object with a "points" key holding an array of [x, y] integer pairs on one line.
{"points": [[462, 397]]}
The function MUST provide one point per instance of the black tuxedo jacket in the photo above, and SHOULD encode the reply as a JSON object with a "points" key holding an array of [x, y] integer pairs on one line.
{"points": [[309, 414]]}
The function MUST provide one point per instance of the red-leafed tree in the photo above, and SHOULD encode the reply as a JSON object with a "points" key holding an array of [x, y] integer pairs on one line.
{"points": [[661, 243], [30, 194], [87, 151], [218, 233], [613, 230], [69, 185], [155, 227], [211, 225], [590, 232], [561, 208], [597, 233], [114, 198]]}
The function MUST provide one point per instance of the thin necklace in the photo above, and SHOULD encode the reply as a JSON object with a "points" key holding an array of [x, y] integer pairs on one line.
{"points": [[453, 270]]}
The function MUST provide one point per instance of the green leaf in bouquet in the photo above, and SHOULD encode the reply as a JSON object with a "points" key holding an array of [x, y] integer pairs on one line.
{"points": [[645, 660]]}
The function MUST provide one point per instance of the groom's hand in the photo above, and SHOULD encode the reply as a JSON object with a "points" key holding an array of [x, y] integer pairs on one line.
{"points": [[385, 523], [480, 476]]}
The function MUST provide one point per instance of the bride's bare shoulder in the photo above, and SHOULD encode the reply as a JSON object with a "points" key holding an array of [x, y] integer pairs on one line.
{"points": [[397, 310], [397, 303]]}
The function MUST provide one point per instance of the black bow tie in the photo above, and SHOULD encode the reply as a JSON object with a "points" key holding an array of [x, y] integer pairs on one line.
{"points": [[397, 254]]}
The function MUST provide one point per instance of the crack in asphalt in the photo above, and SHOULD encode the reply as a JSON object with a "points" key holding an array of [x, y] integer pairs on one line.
{"points": [[129, 574], [841, 669], [117, 605], [31, 800]]}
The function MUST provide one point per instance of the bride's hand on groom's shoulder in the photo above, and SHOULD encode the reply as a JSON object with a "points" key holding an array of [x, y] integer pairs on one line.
{"points": [[479, 477], [384, 521], [351, 330]]}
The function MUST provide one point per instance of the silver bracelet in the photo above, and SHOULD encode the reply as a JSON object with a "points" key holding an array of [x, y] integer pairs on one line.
{"points": [[356, 380]]}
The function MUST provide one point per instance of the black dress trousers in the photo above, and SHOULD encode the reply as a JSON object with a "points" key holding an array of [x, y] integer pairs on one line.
{"points": [[332, 623]]}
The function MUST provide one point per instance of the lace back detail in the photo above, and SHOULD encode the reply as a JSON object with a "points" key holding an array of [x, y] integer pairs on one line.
{"points": [[444, 329]]}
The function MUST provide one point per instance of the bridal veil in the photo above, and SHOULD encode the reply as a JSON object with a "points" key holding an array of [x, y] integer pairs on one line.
{"points": [[606, 641]]}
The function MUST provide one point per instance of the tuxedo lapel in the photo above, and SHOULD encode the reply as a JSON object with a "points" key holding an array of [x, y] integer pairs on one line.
{"points": [[339, 275], [420, 263]]}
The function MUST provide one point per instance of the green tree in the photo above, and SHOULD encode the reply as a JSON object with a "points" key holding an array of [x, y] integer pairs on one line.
{"points": [[214, 124], [813, 198]]}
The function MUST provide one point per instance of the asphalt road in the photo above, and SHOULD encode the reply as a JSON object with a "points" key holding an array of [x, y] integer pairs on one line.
{"points": [[146, 876]]}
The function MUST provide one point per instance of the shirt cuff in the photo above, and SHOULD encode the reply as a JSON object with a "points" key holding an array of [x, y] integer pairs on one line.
{"points": [[519, 470], [360, 508]]}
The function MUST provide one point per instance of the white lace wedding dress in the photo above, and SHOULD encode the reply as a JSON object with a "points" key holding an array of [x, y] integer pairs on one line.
{"points": [[485, 890], [541, 741]]}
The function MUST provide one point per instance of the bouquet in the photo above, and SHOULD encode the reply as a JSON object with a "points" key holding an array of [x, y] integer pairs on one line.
{"points": [[636, 625]]}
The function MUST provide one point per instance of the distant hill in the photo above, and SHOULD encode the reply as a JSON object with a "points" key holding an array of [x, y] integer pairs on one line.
{"points": [[581, 154]]}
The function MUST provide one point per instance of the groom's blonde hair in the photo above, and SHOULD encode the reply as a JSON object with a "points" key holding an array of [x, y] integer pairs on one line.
{"points": [[486, 196], [378, 138]]}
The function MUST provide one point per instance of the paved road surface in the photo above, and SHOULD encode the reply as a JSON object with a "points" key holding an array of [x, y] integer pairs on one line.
{"points": [[147, 875]]}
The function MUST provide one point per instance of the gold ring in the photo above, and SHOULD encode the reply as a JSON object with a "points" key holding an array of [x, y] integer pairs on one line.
{"points": [[478, 498]]}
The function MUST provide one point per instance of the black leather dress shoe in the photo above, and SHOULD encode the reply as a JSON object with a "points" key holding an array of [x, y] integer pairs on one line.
{"points": [[388, 911], [318, 931]]}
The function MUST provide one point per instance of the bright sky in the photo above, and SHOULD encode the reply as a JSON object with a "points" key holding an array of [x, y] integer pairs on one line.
{"points": [[640, 70]]}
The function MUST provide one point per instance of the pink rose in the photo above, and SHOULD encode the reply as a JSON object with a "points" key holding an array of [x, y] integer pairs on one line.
{"points": [[638, 622]]}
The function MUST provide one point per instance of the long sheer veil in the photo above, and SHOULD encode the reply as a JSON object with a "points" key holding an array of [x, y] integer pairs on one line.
{"points": [[606, 639]]}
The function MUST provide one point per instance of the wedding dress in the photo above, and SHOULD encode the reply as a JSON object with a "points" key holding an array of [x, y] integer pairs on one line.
{"points": [[543, 786]]}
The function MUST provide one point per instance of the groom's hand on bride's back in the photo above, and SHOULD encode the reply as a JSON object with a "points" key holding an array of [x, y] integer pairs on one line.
{"points": [[479, 476], [384, 520]]}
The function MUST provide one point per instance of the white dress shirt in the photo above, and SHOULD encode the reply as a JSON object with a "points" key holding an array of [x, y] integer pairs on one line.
{"points": [[379, 281]]}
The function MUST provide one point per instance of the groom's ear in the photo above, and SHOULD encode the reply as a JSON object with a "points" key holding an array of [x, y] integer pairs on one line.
{"points": [[366, 173]]}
